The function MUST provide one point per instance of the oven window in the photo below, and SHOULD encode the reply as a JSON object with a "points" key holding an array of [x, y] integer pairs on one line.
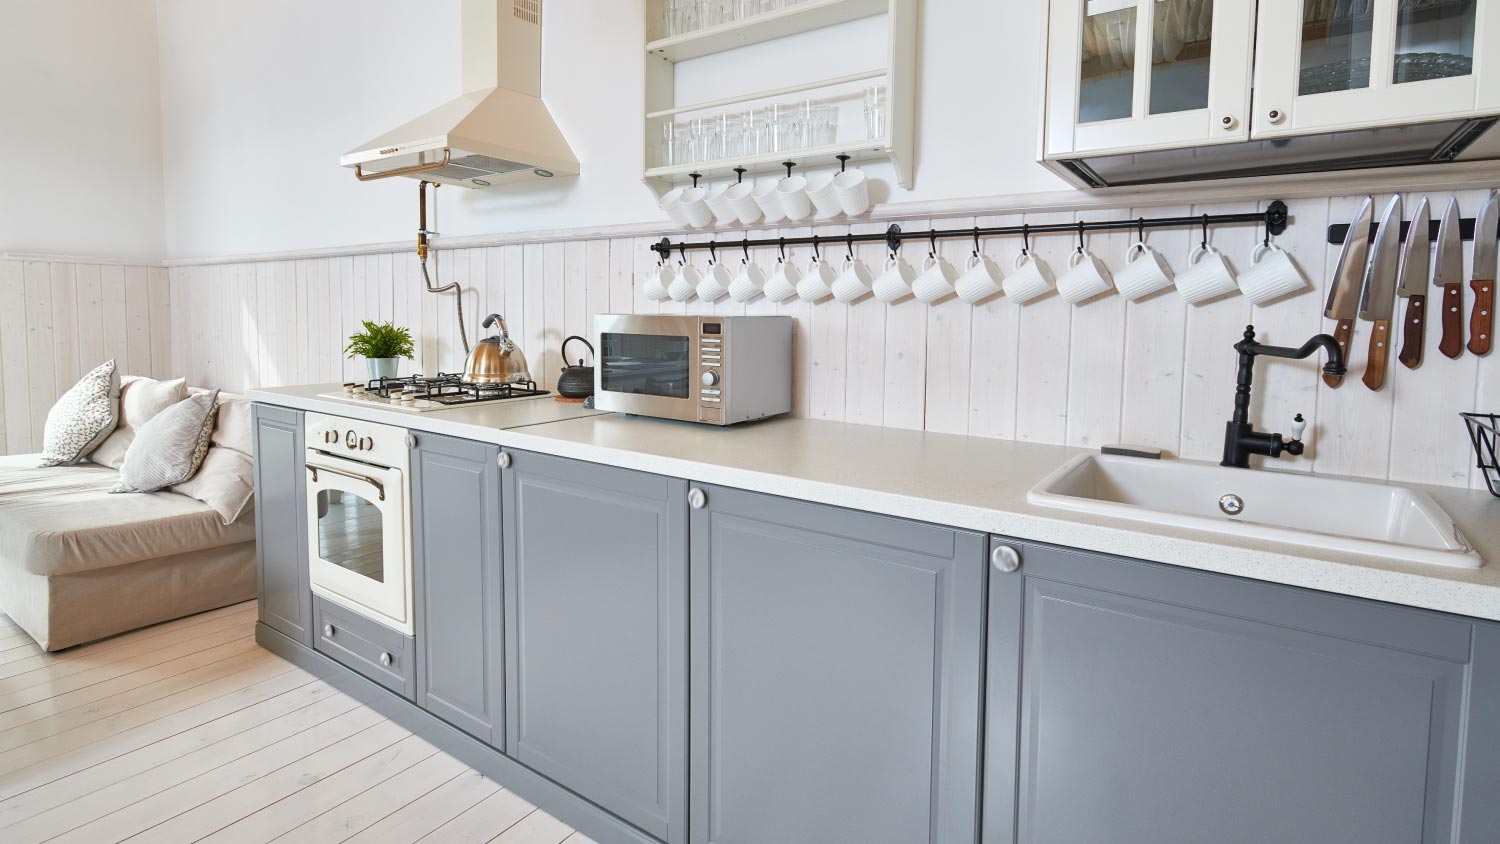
{"points": [[646, 364], [351, 534]]}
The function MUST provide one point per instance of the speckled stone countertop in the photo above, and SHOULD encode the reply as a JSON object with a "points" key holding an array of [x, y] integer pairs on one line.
{"points": [[964, 482]]}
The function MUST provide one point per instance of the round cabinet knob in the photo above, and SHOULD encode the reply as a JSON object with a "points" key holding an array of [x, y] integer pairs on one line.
{"points": [[411, 441], [697, 498], [1276, 116], [710, 378], [328, 631], [1005, 559], [1229, 122], [385, 659], [505, 460]]}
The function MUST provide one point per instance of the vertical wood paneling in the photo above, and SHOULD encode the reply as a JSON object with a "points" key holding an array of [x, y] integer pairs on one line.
{"points": [[1155, 329], [1042, 357], [864, 381], [39, 355], [159, 304], [1096, 367], [65, 325], [827, 344], [1212, 330], [544, 353], [949, 344], [15, 374], [994, 355], [137, 310], [115, 318], [94, 347]]}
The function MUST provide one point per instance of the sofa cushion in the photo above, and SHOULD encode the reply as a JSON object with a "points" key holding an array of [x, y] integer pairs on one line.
{"points": [[169, 449], [140, 400], [225, 482], [63, 520], [82, 418]]}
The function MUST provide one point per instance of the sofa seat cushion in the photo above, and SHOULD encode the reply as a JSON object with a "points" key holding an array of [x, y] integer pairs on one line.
{"points": [[63, 520]]}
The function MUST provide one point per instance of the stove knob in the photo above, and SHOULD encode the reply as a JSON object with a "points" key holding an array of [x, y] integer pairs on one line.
{"points": [[366, 443], [351, 440]]}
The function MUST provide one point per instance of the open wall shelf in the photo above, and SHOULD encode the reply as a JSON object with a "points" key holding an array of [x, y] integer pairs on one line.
{"points": [[804, 17]]}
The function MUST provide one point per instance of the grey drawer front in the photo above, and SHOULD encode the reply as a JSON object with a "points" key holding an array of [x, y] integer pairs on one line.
{"points": [[358, 643]]}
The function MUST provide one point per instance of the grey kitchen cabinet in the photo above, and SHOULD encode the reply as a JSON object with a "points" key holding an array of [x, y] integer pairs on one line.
{"points": [[596, 634], [456, 561], [836, 677], [281, 522], [1137, 703]]}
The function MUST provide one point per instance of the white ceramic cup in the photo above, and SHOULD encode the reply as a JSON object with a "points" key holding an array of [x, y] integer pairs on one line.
{"points": [[718, 205], [685, 285], [980, 281], [715, 283], [1271, 275], [895, 280], [671, 203], [769, 201], [695, 207], [854, 283], [792, 194], [1145, 272], [748, 283], [936, 280], [1087, 277], [1032, 278], [657, 282], [824, 196], [853, 189], [817, 283], [741, 197], [1208, 276], [782, 285]]}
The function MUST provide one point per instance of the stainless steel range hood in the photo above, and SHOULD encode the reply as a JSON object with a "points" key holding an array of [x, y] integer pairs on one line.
{"points": [[498, 132], [1433, 144]]}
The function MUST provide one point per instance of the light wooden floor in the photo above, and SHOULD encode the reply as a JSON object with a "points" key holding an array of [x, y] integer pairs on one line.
{"points": [[189, 731]]}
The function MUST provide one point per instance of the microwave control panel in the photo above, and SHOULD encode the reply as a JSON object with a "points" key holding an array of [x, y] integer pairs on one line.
{"points": [[711, 382]]}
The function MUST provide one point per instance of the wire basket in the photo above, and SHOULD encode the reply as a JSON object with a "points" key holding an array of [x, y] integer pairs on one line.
{"points": [[1484, 430]]}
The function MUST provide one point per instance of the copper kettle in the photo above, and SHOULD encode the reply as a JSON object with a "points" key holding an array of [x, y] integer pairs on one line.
{"points": [[496, 359]]}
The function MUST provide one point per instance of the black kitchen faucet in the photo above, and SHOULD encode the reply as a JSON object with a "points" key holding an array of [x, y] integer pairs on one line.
{"points": [[1240, 437]]}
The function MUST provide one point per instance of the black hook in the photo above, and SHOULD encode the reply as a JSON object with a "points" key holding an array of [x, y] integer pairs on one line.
{"points": [[843, 162], [713, 252], [739, 172], [781, 245], [1140, 229], [788, 165], [746, 245], [851, 246], [977, 248], [682, 254], [1025, 238], [817, 254], [1204, 244], [1080, 237], [695, 177], [932, 244]]}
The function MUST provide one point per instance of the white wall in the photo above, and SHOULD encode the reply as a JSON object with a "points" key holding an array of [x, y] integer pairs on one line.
{"points": [[80, 129], [261, 98]]}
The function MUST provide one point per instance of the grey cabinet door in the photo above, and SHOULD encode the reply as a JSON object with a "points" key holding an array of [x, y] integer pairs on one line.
{"points": [[836, 675], [281, 522], [596, 615], [1136, 703], [456, 563]]}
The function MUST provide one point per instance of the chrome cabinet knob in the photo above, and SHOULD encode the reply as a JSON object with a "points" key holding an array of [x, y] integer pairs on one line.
{"points": [[505, 460], [328, 631], [1005, 559], [697, 498], [385, 659]]}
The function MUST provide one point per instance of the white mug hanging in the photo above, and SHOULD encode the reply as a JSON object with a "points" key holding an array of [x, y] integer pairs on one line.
{"points": [[658, 280], [895, 281], [980, 281], [936, 280], [782, 285]]}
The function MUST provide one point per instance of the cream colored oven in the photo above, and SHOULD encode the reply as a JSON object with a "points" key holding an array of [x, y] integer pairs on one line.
{"points": [[358, 518]]}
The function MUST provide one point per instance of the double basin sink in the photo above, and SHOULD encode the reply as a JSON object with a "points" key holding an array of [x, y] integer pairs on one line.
{"points": [[1372, 519]]}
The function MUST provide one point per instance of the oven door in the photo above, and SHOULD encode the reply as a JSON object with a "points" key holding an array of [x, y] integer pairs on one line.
{"points": [[357, 538], [648, 365]]}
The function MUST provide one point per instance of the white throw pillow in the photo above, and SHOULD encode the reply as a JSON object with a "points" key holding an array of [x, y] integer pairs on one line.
{"points": [[140, 400], [233, 429], [169, 449], [225, 482], [82, 418]]}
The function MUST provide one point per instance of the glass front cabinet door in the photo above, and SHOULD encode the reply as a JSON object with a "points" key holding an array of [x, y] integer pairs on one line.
{"points": [[1325, 65], [1129, 75]]}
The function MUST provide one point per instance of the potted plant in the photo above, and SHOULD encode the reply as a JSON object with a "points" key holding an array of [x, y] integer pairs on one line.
{"points": [[382, 346]]}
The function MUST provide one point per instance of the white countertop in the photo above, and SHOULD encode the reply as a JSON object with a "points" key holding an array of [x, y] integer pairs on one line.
{"points": [[964, 482]]}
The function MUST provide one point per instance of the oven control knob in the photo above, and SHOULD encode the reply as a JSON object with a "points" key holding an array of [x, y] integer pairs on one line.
{"points": [[366, 443], [330, 436], [351, 440], [710, 378]]}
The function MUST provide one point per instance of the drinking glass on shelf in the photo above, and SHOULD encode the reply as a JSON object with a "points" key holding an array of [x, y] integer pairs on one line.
{"points": [[668, 148], [876, 112], [825, 125]]}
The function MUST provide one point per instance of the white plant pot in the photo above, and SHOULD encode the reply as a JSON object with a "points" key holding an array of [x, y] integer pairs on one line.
{"points": [[383, 367]]}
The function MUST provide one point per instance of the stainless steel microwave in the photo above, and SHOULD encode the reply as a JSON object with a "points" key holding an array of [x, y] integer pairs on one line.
{"points": [[719, 370]]}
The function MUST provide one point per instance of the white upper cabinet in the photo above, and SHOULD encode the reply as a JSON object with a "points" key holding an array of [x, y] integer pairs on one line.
{"points": [[1326, 65], [1127, 75]]}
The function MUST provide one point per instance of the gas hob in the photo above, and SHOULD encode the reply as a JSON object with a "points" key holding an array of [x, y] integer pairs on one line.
{"points": [[422, 394]]}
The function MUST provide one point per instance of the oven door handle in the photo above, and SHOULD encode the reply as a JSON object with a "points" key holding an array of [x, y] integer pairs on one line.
{"points": [[379, 487]]}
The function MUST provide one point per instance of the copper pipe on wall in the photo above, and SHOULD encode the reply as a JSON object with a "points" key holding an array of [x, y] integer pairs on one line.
{"points": [[360, 174], [422, 244]]}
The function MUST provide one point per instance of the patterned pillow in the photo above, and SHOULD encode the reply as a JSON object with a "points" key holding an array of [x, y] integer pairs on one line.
{"points": [[169, 449], [82, 418]]}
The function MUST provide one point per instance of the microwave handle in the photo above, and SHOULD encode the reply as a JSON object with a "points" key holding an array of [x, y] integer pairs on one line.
{"points": [[379, 487]]}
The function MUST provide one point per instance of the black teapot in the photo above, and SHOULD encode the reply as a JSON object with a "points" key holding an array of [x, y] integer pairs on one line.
{"points": [[576, 382]]}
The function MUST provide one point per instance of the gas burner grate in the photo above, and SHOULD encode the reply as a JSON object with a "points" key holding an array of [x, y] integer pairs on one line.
{"points": [[451, 389]]}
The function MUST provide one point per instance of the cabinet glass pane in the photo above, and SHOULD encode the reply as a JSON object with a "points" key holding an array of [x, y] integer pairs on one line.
{"points": [[1181, 40], [1434, 39], [350, 534], [1336, 41], [1107, 72]]}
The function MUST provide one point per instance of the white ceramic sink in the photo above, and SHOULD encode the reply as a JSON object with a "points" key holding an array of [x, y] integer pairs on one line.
{"points": [[1343, 514]]}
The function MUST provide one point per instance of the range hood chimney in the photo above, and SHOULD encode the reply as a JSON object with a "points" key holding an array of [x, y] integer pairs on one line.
{"points": [[498, 132]]}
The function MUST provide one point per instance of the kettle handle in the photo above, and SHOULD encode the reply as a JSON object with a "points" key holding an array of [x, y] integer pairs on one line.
{"points": [[494, 318], [565, 349]]}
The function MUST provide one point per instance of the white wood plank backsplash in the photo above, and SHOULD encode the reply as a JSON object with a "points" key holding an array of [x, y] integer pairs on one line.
{"points": [[1157, 372]]}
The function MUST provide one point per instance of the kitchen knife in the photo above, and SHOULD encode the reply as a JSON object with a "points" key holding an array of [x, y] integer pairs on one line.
{"points": [[1377, 299], [1348, 282], [1486, 245], [1416, 264], [1448, 276]]}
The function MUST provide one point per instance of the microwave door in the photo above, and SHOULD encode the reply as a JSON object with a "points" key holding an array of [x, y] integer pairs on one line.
{"points": [[648, 373]]}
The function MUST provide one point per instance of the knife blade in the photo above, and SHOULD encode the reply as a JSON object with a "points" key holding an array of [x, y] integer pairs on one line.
{"points": [[1377, 295], [1448, 276], [1416, 264], [1348, 282], [1486, 245]]}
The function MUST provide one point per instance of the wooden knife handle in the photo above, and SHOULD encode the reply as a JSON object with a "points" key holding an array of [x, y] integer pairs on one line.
{"points": [[1415, 332], [1343, 333], [1380, 354], [1482, 324], [1453, 321]]}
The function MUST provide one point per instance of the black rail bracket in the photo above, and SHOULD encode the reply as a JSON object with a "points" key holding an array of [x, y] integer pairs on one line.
{"points": [[1276, 218], [893, 238]]}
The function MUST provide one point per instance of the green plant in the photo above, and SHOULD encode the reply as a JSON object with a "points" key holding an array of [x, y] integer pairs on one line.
{"points": [[380, 341]]}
